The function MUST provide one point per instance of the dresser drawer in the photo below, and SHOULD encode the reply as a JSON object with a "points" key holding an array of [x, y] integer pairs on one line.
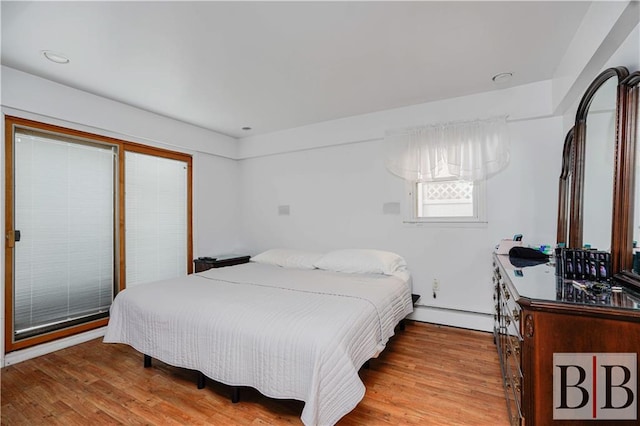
{"points": [[508, 338]]}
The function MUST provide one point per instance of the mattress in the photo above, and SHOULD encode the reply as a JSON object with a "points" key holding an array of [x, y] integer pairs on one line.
{"points": [[289, 333]]}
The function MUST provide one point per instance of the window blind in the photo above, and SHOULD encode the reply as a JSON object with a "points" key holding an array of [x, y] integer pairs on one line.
{"points": [[64, 208], [156, 218]]}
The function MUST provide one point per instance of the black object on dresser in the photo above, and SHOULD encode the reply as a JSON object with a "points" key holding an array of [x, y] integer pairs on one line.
{"points": [[205, 263]]}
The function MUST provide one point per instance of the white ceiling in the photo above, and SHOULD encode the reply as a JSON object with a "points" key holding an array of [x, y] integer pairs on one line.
{"points": [[278, 65]]}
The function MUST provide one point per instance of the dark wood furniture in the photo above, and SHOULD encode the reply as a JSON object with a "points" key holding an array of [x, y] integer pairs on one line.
{"points": [[537, 315], [625, 204], [205, 263], [571, 209], [508, 340], [579, 147]]}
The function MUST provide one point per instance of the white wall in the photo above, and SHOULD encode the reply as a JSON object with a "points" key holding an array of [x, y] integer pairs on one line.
{"points": [[336, 192], [26, 94], [215, 203], [331, 175], [532, 100], [627, 54], [604, 28], [215, 172]]}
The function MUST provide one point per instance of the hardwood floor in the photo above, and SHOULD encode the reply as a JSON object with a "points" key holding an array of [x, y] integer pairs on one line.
{"points": [[428, 375]]}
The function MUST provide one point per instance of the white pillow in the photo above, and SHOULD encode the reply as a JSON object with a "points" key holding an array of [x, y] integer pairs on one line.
{"points": [[360, 261], [288, 258]]}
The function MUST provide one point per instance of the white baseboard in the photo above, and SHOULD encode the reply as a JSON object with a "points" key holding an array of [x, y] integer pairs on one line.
{"points": [[453, 317], [45, 348]]}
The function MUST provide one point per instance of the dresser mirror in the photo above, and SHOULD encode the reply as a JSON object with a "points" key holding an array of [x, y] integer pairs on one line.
{"points": [[628, 195], [564, 189], [599, 150], [633, 111], [599, 189], [593, 164]]}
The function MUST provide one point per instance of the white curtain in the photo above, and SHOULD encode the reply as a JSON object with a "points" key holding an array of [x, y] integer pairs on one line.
{"points": [[466, 150]]}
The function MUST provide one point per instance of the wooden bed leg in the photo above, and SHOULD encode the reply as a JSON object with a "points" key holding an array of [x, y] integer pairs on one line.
{"points": [[147, 361], [235, 394], [402, 325], [201, 380]]}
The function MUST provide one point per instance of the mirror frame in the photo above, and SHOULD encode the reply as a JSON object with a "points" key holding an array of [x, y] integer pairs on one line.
{"points": [[564, 189], [625, 181], [576, 208]]}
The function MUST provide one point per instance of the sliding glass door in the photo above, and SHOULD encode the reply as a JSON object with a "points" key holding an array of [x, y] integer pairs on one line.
{"points": [[156, 218], [64, 221], [86, 215]]}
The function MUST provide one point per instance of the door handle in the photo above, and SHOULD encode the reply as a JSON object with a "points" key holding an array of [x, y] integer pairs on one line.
{"points": [[12, 237]]}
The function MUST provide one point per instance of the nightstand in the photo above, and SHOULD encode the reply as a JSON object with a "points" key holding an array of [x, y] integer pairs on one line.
{"points": [[204, 263]]}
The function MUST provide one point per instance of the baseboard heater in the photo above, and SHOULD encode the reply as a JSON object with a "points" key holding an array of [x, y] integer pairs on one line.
{"points": [[455, 310]]}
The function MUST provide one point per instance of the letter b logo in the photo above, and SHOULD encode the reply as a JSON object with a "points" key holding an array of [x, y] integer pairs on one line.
{"points": [[594, 386]]}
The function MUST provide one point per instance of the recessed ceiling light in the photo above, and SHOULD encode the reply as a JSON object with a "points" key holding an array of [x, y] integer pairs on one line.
{"points": [[246, 128], [55, 57], [502, 77]]}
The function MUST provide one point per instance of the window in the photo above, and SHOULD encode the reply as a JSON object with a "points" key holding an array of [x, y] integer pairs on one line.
{"points": [[86, 214], [447, 201], [453, 159], [156, 217]]}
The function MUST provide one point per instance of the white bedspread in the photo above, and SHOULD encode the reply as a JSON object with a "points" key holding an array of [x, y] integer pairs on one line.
{"points": [[290, 333]]}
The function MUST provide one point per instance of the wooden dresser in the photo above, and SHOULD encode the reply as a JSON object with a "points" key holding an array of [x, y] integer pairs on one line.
{"points": [[545, 329]]}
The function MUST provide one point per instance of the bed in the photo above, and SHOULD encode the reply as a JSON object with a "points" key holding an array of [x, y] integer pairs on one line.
{"points": [[292, 325]]}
